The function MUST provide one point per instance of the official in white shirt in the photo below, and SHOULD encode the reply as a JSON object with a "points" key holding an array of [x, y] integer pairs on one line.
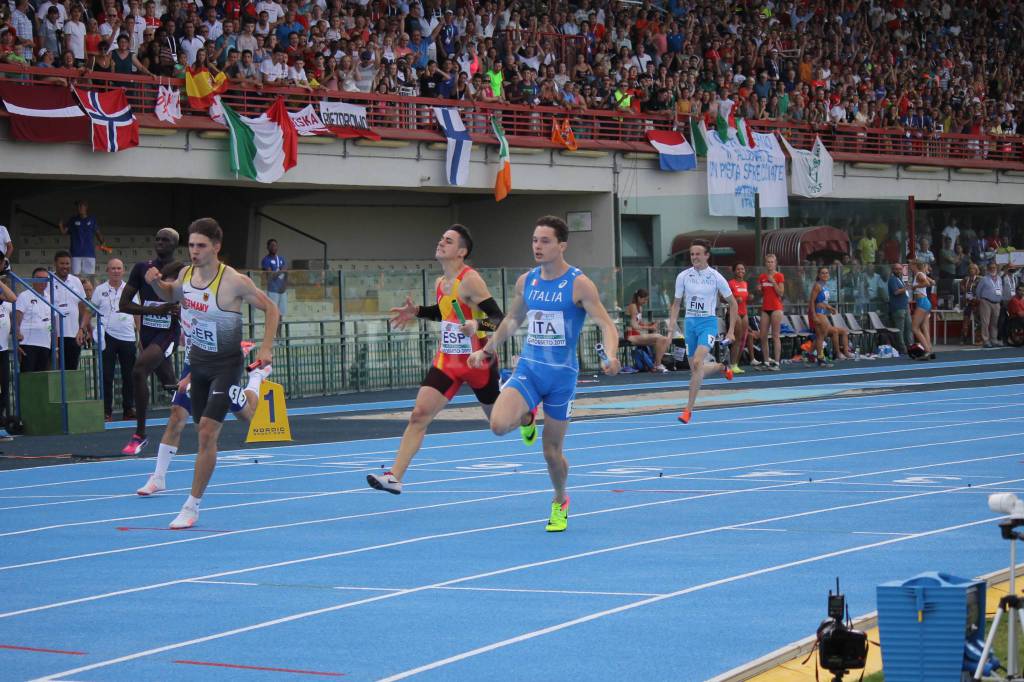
{"points": [[77, 315], [8, 297], [118, 343], [32, 325]]}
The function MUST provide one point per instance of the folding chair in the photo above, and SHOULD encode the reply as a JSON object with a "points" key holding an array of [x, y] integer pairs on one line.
{"points": [[889, 335], [869, 335], [856, 338]]}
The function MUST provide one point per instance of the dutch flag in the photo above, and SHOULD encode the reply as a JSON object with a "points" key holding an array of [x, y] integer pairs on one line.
{"points": [[674, 152], [459, 145]]}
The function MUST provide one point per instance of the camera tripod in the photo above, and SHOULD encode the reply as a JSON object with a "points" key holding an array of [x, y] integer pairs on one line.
{"points": [[1011, 604]]}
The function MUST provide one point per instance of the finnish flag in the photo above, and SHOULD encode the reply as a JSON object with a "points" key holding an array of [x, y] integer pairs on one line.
{"points": [[459, 145]]}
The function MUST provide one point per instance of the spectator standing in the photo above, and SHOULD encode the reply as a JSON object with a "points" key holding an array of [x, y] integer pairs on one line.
{"points": [[772, 285], [77, 314], [969, 296], [990, 296], [899, 307], [277, 279], [951, 232], [1009, 277], [84, 234], [6, 245], [8, 297], [118, 342], [32, 325]]}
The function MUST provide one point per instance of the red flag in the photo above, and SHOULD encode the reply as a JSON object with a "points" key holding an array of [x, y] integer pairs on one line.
{"points": [[114, 126], [43, 113]]}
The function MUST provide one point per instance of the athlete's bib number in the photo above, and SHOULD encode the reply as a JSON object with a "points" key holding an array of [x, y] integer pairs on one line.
{"points": [[204, 335], [696, 307], [453, 341], [156, 321], [546, 328]]}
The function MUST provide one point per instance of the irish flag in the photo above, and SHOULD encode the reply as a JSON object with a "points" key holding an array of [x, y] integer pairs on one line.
{"points": [[503, 181], [262, 148]]}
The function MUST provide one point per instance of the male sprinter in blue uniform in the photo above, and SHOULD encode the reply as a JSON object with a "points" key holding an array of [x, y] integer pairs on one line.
{"points": [[701, 286], [555, 298]]}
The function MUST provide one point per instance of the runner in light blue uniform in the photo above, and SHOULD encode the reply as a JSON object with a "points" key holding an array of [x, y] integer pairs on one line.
{"points": [[701, 286], [553, 299]]}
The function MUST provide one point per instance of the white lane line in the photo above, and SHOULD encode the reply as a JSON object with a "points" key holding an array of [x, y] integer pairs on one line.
{"points": [[199, 538], [568, 592], [887, 401], [451, 534], [626, 607], [601, 446], [223, 582], [536, 564], [461, 589]]}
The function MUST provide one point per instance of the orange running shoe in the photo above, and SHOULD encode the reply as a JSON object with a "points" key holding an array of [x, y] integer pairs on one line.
{"points": [[685, 415], [728, 373]]}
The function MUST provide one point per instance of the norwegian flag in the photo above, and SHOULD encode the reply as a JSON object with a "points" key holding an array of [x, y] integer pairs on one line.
{"points": [[114, 126]]}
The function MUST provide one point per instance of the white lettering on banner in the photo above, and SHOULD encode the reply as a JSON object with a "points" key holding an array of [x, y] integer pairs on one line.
{"points": [[737, 173], [545, 328], [156, 321], [343, 114], [453, 341]]}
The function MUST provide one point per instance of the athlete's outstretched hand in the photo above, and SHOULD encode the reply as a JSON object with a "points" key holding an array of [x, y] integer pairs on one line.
{"points": [[405, 314], [470, 328], [612, 367], [730, 338], [152, 275], [478, 359], [185, 381]]}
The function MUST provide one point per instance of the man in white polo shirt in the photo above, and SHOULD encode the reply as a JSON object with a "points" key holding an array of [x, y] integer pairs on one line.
{"points": [[32, 325], [6, 245], [118, 342], [77, 315], [7, 297]]}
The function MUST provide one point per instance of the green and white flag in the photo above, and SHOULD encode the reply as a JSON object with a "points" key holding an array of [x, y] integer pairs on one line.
{"points": [[265, 147]]}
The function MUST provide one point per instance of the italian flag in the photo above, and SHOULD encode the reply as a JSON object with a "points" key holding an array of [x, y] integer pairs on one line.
{"points": [[265, 147], [730, 126], [503, 181]]}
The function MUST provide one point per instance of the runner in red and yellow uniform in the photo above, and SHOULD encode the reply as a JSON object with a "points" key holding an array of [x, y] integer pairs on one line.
{"points": [[466, 311]]}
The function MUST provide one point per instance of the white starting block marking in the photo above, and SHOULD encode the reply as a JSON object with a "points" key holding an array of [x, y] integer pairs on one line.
{"points": [[770, 474], [926, 480]]}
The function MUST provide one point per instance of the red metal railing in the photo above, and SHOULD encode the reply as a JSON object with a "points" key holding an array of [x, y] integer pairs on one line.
{"points": [[392, 116], [412, 118]]}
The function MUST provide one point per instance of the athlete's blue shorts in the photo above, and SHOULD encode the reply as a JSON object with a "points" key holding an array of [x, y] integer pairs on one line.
{"points": [[183, 400], [555, 387], [924, 303], [700, 331]]}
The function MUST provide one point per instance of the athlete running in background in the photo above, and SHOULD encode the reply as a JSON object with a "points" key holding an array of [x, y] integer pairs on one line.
{"points": [[738, 286], [818, 314], [243, 404], [701, 286], [158, 333], [466, 311], [772, 286], [554, 298], [212, 294]]}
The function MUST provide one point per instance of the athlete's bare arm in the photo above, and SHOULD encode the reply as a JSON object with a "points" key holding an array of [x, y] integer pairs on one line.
{"points": [[514, 317], [585, 295], [167, 290], [242, 289]]}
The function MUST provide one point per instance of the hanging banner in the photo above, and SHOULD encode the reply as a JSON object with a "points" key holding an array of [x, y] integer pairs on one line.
{"points": [[736, 173], [812, 170]]}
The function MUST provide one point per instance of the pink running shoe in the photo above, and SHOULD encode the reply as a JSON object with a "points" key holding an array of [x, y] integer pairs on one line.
{"points": [[135, 445], [186, 518]]}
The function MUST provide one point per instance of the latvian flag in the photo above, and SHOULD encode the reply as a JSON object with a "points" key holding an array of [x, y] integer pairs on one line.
{"points": [[674, 152], [43, 113], [114, 126]]}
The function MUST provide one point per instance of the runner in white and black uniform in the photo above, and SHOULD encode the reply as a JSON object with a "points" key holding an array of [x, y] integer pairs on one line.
{"points": [[211, 296], [158, 333]]}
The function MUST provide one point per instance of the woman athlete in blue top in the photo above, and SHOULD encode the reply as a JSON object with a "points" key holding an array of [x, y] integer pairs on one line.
{"points": [[818, 315], [554, 299]]}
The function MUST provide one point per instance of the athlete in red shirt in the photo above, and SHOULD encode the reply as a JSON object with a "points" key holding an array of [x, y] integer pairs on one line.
{"points": [[744, 336], [771, 284]]}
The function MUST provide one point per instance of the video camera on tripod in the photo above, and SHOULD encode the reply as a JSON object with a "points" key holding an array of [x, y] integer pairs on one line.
{"points": [[840, 647]]}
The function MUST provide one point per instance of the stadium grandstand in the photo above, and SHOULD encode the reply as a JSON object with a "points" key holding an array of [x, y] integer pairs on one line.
{"points": [[853, 170]]}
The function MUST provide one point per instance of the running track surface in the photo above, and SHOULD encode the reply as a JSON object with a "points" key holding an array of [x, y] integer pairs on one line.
{"points": [[690, 549]]}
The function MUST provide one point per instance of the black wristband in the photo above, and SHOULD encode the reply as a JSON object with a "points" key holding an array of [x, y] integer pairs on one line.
{"points": [[429, 312]]}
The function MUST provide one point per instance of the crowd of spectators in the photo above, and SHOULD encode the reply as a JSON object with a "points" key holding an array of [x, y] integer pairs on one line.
{"points": [[925, 65]]}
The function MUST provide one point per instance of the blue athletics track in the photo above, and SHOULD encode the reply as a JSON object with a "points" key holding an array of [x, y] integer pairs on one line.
{"points": [[690, 549]]}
